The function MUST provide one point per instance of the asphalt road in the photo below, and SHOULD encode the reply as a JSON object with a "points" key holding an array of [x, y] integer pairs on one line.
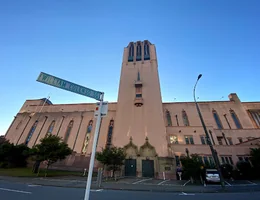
{"points": [[14, 191]]}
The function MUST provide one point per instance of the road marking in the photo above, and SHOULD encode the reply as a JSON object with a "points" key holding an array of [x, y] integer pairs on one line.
{"points": [[34, 185], [186, 194], [163, 182], [64, 180], [186, 183], [18, 191], [100, 190], [143, 180], [251, 183], [228, 183]]}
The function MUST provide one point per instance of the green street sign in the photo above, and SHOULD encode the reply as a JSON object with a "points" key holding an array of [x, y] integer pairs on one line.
{"points": [[69, 86]]}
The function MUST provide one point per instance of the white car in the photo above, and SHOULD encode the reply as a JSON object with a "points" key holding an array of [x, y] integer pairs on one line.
{"points": [[212, 175]]}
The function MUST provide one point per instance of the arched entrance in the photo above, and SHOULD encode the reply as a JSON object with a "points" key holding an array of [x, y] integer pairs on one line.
{"points": [[149, 157], [131, 156]]}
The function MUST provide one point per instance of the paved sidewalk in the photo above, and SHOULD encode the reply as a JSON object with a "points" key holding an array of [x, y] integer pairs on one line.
{"points": [[80, 182]]}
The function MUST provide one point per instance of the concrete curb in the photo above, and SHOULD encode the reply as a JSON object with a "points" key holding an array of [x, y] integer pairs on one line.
{"points": [[130, 187]]}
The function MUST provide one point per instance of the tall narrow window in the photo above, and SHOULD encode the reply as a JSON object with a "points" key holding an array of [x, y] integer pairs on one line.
{"points": [[255, 115], [146, 51], [67, 134], [203, 139], [177, 158], [206, 161], [31, 132], [87, 137], [222, 160], [189, 139], [109, 134], [217, 120], [50, 129], [220, 140], [138, 52], [235, 119], [177, 121], [168, 117], [131, 52], [185, 118], [211, 161], [230, 160]]}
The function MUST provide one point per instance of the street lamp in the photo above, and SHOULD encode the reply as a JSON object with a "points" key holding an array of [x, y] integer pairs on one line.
{"points": [[213, 152]]}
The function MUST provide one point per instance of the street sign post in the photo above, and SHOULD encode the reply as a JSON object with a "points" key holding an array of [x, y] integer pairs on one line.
{"points": [[93, 153], [69, 86], [100, 110]]}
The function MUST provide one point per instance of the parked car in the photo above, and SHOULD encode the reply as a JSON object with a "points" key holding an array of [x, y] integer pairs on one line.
{"points": [[212, 176]]}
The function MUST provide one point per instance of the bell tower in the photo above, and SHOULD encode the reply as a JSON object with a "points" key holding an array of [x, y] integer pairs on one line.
{"points": [[139, 113]]}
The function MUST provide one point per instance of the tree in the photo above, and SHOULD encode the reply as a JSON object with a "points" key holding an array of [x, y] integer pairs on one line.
{"points": [[226, 170], [255, 160], [13, 155], [191, 166], [3, 140], [255, 157], [112, 157], [245, 169], [51, 149]]}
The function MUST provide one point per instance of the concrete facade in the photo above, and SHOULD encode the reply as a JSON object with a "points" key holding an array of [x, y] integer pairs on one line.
{"points": [[154, 134]]}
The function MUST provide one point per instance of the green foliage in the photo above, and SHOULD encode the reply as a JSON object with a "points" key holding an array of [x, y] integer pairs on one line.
{"points": [[3, 139], [191, 166], [255, 157], [112, 157], [13, 155], [245, 169], [51, 149], [226, 170], [255, 160], [27, 172]]}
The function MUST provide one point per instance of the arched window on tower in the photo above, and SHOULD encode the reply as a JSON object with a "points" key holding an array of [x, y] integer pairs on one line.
{"points": [[235, 119], [146, 51], [87, 137], [109, 134], [31, 132], [168, 117], [217, 119], [131, 52], [50, 129], [185, 118], [67, 134], [138, 51]]}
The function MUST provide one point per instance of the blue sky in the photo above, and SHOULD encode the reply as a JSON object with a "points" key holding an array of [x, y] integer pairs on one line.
{"points": [[83, 41]]}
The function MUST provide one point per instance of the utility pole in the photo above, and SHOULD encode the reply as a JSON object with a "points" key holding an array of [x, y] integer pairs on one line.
{"points": [[213, 151]]}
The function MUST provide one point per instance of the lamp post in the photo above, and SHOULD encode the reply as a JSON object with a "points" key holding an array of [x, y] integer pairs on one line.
{"points": [[213, 152]]}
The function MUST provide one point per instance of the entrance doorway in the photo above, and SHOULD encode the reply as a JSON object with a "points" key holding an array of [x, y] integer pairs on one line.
{"points": [[130, 167], [148, 168]]}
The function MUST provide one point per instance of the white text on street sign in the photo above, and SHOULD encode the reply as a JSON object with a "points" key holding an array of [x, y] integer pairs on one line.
{"points": [[69, 86]]}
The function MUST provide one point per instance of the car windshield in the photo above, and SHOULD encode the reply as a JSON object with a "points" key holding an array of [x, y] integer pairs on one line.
{"points": [[212, 172]]}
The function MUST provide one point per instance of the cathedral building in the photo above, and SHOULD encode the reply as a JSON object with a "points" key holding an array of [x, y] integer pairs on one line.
{"points": [[154, 134]]}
